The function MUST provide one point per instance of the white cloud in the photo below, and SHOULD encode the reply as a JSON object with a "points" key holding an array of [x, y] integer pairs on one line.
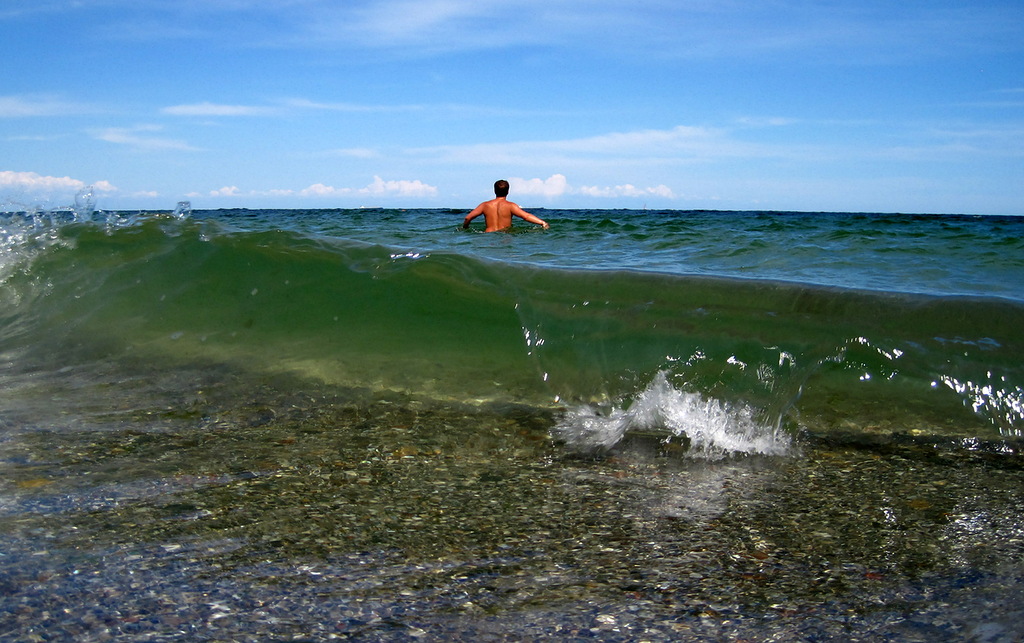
{"points": [[557, 185], [131, 136], [379, 187], [398, 188], [627, 190], [554, 185], [212, 109], [37, 183], [103, 186], [34, 183], [319, 189]]}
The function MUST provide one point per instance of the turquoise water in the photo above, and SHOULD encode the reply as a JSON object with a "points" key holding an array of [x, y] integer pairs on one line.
{"points": [[634, 424]]}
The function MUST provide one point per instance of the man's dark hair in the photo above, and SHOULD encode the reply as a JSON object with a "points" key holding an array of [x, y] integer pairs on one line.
{"points": [[501, 187]]}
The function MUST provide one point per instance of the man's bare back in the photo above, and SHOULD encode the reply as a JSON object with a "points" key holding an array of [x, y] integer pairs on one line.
{"points": [[498, 212]]}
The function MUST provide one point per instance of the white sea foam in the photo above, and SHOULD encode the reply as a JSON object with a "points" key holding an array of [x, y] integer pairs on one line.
{"points": [[713, 428]]}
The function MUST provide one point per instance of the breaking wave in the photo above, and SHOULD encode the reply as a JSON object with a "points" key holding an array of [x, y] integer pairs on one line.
{"points": [[711, 428]]}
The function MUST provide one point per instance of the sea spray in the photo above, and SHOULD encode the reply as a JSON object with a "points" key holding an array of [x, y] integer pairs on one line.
{"points": [[85, 204], [183, 210], [712, 429]]}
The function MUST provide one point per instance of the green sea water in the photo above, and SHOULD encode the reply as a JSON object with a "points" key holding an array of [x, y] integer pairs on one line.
{"points": [[369, 424]]}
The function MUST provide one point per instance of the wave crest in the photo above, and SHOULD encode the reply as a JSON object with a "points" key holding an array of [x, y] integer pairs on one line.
{"points": [[713, 428]]}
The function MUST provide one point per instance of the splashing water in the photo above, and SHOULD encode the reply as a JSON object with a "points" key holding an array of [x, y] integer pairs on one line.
{"points": [[183, 210], [714, 429], [85, 204]]}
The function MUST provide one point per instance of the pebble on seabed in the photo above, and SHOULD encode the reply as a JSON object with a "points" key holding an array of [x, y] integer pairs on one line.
{"points": [[400, 522]]}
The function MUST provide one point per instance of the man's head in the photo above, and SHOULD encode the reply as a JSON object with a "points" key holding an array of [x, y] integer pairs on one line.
{"points": [[501, 188]]}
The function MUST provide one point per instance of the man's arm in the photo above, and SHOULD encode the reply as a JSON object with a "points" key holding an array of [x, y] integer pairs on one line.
{"points": [[477, 211], [523, 214]]}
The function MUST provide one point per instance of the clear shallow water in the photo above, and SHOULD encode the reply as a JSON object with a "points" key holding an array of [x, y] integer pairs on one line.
{"points": [[368, 424]]}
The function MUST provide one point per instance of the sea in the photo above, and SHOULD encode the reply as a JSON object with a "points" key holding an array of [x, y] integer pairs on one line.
{"points": [[638, 425]]}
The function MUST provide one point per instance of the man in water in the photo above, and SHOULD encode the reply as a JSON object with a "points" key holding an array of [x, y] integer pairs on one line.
{"points": [[499, 210]]}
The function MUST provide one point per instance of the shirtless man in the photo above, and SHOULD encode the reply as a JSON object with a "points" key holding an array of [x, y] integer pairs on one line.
{"points": [[499, 210]]}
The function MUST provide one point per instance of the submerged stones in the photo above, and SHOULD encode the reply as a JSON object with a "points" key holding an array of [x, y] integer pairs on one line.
{"points": [[398, 519]]}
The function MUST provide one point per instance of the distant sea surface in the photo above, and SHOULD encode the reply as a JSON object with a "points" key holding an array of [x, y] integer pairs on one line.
{"points": [[637, 424]]}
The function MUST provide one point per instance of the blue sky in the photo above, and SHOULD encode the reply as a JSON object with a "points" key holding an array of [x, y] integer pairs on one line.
{"points": [[875, 105]]}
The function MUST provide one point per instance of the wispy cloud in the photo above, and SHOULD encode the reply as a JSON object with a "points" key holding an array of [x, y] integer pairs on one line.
{"points": [[1001, 98], [694, 29], [303, 103], [353, 152], [213, 109], [827, 142], [35, 105], [677, 144], [137, 138], [950, 143], [451, 109], [697, 29], [295, 105], [766, 121], [647, 142]]}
